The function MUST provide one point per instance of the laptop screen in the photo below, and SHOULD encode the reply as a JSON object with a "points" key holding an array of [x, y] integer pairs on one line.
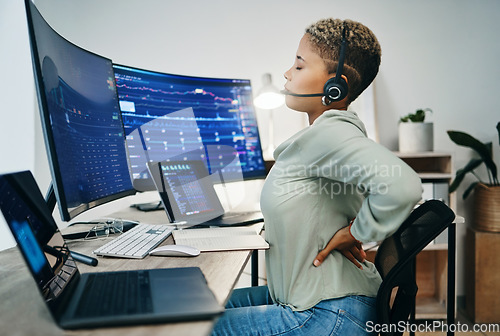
{"points": [[186, 190], [41, 244]]}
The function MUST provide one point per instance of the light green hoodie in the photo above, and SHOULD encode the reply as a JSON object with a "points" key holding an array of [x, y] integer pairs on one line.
{"points": [[324, 176]]}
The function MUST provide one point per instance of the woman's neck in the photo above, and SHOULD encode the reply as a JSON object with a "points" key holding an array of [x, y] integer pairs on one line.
{"points": [[313, 115]]}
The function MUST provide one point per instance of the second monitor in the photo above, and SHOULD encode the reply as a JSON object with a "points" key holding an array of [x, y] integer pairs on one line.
{"points": [[173, 117]]}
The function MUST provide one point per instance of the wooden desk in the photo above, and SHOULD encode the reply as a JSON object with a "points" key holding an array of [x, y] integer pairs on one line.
{"points": [[23, 312]]}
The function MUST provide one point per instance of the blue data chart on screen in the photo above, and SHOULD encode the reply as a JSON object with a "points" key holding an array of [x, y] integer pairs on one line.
{"points": [[89, 142], [190, 118]]}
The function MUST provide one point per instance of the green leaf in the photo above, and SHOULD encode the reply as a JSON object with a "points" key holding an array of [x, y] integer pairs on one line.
{"points": [[469, 190], [498, 129], [489, 145], [460, 174], [466, 140], [456, 182], [419, 116]]}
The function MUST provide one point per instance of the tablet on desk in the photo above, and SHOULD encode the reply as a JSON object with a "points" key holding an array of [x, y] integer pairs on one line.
{"points": [[189, 197]]}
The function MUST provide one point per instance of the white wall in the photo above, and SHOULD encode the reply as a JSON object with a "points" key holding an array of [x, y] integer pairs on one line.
{"points": [[438, 54], [17, 98]]}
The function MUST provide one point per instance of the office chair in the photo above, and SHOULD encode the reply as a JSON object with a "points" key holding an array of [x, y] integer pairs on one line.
{"points": [[395, 261]]}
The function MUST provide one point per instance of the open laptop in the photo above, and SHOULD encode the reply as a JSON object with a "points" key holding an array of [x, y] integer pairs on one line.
{"points": [[96, 299], [189, 197]]}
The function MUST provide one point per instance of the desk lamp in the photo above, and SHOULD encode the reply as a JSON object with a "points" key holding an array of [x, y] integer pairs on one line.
{"points": [[269, 98]]}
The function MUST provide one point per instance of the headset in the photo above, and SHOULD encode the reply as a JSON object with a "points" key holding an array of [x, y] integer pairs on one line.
{"points": [[335, 88]]}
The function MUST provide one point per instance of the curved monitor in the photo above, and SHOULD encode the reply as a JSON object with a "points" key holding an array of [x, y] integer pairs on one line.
{"points": [[80, 118], [174, 117]]}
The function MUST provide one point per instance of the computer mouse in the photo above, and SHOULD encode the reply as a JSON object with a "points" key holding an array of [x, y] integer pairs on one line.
{"points": [[175, 251]]}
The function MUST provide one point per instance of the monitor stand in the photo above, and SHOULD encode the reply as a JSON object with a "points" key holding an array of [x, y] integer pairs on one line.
{"points": [[50, 199], [151, 206]]}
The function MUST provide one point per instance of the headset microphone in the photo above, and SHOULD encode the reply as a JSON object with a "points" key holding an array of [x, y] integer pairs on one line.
{"points": [[335, 88], [288, 93]]}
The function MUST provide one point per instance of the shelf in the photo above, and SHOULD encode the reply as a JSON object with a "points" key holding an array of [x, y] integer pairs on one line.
{"points": [[435, 176], [432, 167], [431, 271], [430, 308], [436, 247], [436, 171], [369, 247], [423, 155]]}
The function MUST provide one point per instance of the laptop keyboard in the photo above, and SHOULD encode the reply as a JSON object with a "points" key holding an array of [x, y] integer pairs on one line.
{"points": [[116, 293], [136, 242]]}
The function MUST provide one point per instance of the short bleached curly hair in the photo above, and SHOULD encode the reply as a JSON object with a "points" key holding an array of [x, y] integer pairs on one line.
{"points": [[362, 56]]}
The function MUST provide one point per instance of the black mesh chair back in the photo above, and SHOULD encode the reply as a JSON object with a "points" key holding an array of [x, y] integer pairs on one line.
{"points": [[395, 261]]}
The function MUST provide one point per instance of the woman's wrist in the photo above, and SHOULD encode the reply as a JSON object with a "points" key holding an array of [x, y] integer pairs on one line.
{"points": [[350, 233]]}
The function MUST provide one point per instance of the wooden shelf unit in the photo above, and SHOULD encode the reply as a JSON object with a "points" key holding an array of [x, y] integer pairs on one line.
{"points": [[432, 167], [432, 262]]}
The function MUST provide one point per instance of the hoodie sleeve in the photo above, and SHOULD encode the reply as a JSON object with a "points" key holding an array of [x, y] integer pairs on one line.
{"points": [[339, 150]]}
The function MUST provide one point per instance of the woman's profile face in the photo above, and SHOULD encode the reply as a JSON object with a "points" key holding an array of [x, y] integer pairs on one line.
{"points": [[307, 75]]}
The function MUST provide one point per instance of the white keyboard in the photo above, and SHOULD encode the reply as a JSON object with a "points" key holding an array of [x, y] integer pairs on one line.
{"points": [[136, 242]]}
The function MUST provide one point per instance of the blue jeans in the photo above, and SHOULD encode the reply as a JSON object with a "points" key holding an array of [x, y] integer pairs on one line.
{"points": [[250, 311]]}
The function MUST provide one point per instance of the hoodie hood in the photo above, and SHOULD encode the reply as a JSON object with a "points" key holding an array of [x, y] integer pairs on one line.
{"points": [[341, 115]]}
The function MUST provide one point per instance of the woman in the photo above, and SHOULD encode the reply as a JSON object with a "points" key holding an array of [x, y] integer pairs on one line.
{"points": [[330, 189]]}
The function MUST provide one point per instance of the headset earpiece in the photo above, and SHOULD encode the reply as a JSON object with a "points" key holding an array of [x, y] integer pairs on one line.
{"points": [[335, 89]]}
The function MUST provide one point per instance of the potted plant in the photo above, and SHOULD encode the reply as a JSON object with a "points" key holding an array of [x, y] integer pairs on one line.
{"points": [[416, 135], [487, 193]]}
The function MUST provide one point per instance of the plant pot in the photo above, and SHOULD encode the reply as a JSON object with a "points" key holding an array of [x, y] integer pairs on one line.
{"points": [[487, 208], [416, 137]]}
